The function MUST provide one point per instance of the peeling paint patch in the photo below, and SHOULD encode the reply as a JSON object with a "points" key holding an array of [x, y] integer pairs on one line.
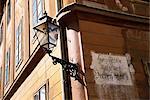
{"points": [[110, 69]]}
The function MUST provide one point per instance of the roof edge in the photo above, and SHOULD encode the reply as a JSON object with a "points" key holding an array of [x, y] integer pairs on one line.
{"points": [[103, 12]]}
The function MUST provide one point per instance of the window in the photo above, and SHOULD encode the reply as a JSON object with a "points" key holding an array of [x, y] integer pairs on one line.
{"points": [[41, 94], [37, 11], [19, 42], [1, 34], [7, 66], [59, 4], [8, 12]]}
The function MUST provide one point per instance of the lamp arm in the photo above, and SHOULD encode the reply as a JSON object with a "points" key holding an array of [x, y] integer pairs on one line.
{"points": [[71, 68]]}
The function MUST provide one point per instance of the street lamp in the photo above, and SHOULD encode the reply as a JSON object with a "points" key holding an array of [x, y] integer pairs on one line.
{"points": [[50, 31]]}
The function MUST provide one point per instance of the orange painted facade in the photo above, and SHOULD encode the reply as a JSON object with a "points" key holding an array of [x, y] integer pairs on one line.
{"points": [[103, 26]]}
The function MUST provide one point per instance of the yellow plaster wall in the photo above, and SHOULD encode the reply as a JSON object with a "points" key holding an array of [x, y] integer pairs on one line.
{"points": [[19, 12], [44, 71], [66, 2], [8, 43]]}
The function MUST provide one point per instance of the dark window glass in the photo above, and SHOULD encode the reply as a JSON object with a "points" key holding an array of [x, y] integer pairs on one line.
{"points": [[1, 34], [59, 4], [37, 95], [8, 12]]}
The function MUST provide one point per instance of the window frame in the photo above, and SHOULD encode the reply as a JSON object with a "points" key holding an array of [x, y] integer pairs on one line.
{"points": [[45, 86], [36, 6], [7, 68], [8, 12], [59, 4], [19, 44]]}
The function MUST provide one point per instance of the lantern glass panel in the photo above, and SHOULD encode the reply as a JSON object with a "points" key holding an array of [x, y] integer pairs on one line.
{"points": [[50, 30], [53, 36]]}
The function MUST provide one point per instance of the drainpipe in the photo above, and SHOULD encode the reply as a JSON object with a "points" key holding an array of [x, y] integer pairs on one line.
{"points": [[64, 52]]}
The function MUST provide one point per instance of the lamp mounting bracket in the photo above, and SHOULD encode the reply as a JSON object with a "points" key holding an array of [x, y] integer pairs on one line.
{"points": [[71, 68]]}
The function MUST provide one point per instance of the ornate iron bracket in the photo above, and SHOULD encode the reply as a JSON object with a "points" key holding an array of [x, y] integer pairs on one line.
{"points": [[71, 68]]}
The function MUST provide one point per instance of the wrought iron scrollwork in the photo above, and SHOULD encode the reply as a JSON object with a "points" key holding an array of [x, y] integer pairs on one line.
{"points": [[71, 68]]}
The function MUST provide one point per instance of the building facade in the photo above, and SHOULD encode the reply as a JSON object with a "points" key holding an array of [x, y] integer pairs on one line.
{"points": [[92, 32]]}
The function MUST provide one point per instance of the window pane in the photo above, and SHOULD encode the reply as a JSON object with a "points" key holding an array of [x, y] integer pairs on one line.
{"points": [[34, 12], [36, 97], [34, 6], [40, 9], [43, 93], [7, 63], [34, 19], [17, 60], [17, 33], [8, 11], [1, 34], [17, 46], [6, 73], [59, 4], [52, 39], [19, 41], [40, 15]]}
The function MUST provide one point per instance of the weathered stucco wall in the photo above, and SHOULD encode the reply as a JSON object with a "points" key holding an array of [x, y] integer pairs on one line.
{"points": [[103, 38], [138, 7]]}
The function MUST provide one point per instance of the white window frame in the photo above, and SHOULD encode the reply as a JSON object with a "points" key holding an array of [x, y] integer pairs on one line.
{"points": [[18, 53]]}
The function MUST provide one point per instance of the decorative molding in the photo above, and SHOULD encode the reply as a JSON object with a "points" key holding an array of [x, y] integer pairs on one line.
{"points": [[121, 6], [94, 4]]}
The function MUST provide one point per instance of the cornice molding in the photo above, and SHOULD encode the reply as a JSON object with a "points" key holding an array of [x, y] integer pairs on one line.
{"points": [[104, 12]]}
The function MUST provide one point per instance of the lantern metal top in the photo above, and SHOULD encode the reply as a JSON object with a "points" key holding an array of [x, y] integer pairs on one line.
{"points": [[46, 24]]}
